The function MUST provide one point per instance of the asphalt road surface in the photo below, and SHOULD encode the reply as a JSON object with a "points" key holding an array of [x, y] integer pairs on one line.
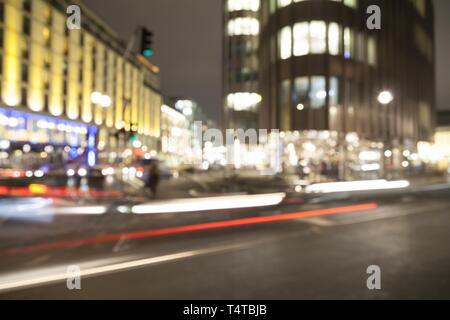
{"points": [[318, 255]]}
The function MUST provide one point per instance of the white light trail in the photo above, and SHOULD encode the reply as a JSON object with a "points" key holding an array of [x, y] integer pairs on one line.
{"points": [[365, 185], [212, 203]]}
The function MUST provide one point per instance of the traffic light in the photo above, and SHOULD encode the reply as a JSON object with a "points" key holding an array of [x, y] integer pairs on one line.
{"points": [[146, 42]]}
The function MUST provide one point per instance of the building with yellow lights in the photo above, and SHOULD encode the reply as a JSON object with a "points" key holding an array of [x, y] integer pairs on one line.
{"points": [[72, 89]]}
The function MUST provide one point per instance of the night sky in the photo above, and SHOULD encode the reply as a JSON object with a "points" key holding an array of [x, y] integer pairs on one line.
{"points": [[188, 44]]}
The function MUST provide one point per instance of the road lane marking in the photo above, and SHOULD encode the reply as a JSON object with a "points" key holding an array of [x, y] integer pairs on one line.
{"points": [[22, 280], [190, 228]]}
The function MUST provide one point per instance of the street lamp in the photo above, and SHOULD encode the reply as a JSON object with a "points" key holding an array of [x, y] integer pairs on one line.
{"points": [[385, 97]]}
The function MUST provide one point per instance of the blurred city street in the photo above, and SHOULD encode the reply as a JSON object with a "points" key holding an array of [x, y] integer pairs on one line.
{"points": [[224, 149], [307, 246]]}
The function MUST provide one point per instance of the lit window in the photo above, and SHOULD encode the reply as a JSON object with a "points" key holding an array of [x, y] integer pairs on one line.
{"points": [[238, 5], [334, 36], [284, 3], [273, 6], [421, 7], [285, 43], [348, 43], [301, 39], [285, 103], [243, 26], [318, 93], [243, 101], [301, 87], [351, 3], [309, 38], [334, 91], [371, 51], [361, 47], [317, 31]]}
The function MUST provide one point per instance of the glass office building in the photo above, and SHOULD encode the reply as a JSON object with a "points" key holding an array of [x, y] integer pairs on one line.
{"points": [[322, 76]]}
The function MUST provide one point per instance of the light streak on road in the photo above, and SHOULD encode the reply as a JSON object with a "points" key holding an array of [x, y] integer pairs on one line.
{"points": [[65, 244], [365, 185], [87, 210], [212, 203]]}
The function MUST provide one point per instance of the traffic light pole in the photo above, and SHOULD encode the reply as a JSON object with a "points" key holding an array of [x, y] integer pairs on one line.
{"points": [[146, 40]]}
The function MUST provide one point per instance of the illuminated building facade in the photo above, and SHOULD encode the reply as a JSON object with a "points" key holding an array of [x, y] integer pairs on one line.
{"points": [[320, 72], [240, 74], [439, 152], [322, 68], [176, 137], [61, 87]]}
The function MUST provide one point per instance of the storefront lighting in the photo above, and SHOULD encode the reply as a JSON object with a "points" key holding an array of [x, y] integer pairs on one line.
{"points": [[406, 153], [42, 124], [5, 144], [82, 172], [370, 167], [405, 164], [91, 158], [3, 120], [300, 107], [26, 148], [49, 149], [38, 173], [308, 146], [13, 122], [101, 145], [369, 156], [70, 173], [137, 144], [108, 171], [132, 171], [187, 112], [176, 132], [388, 153]]}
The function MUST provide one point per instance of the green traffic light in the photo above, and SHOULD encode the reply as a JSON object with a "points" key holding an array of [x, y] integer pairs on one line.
{"points": [[148, 52]]}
